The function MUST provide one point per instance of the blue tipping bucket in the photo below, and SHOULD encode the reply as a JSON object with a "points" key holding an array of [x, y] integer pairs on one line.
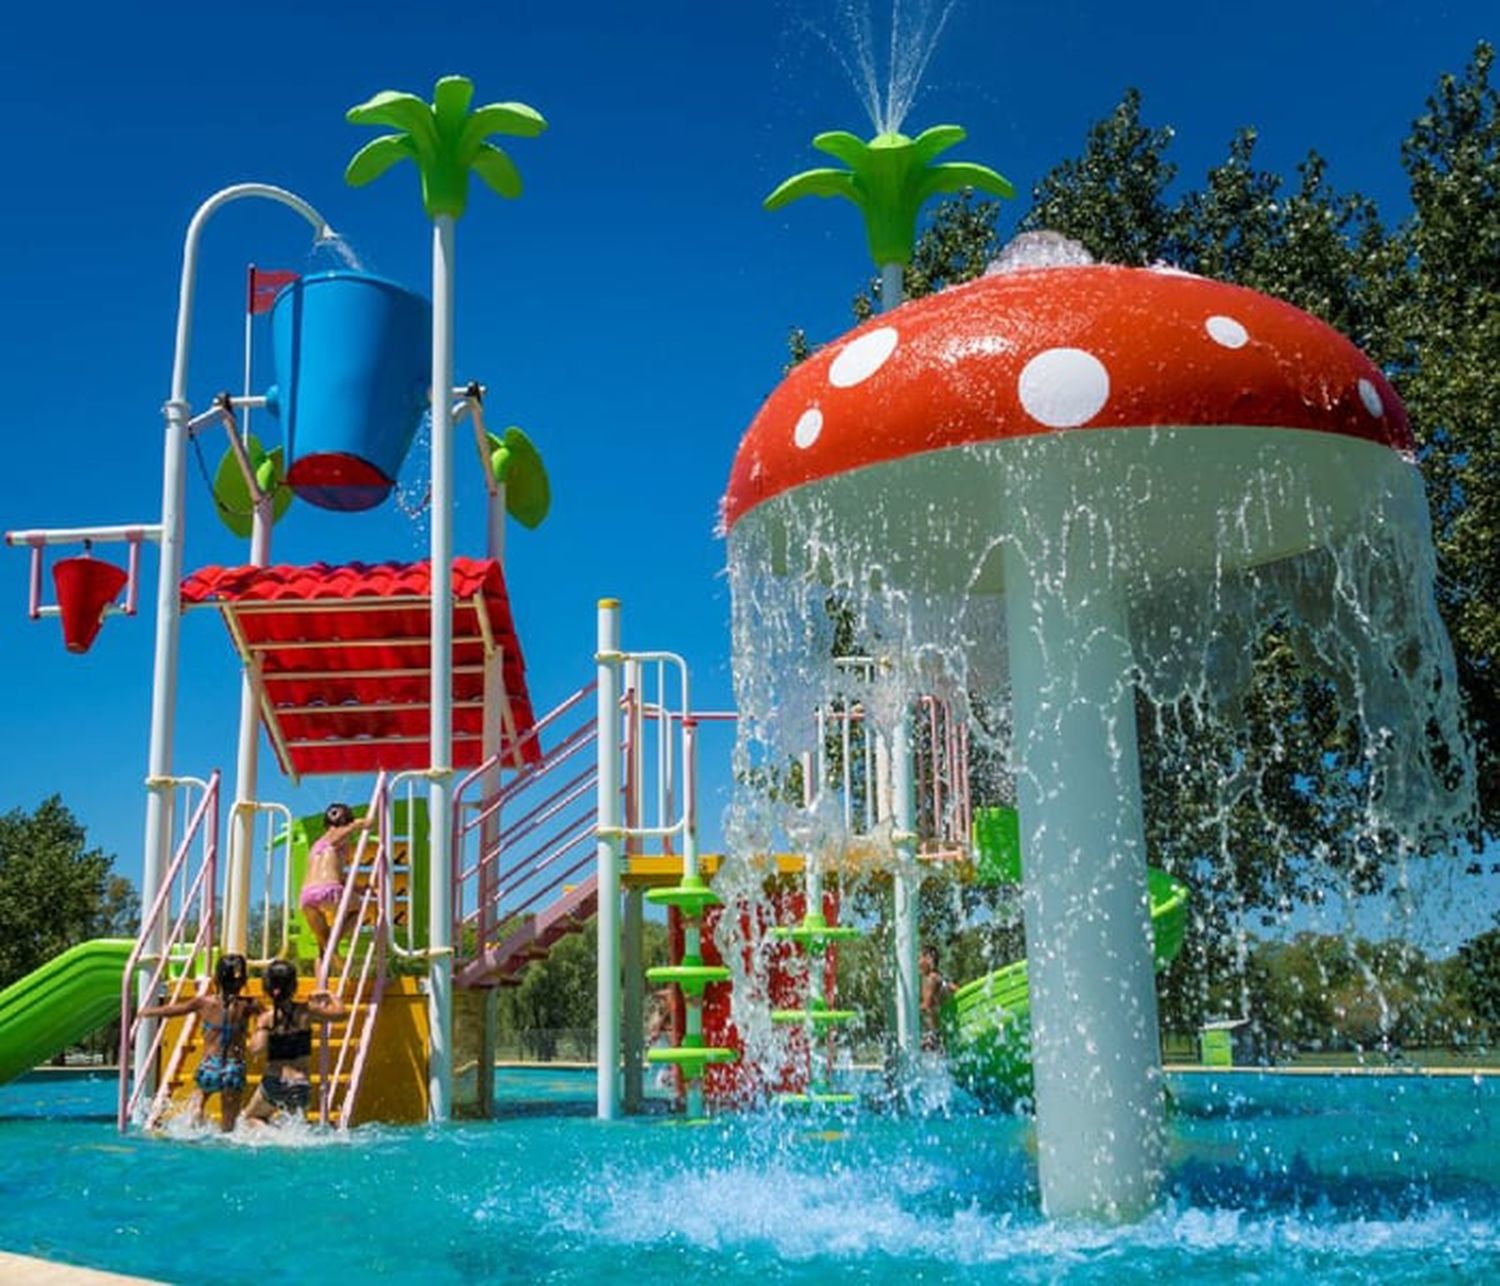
{"points": [[353, 364]]}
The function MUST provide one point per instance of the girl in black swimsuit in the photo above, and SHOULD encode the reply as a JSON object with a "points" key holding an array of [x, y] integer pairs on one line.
{"points": [[284, 1037]]}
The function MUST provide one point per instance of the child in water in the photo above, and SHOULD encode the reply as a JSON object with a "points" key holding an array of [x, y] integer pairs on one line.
{"points": [[224, 1019], [935, 990], [323, 885], [284, 1037]]}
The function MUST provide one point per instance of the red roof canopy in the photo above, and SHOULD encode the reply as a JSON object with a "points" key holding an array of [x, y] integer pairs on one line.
{"points": [[345, 660]]}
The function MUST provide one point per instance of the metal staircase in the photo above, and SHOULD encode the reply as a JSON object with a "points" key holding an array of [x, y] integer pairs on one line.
{"points": [[524, 852]]}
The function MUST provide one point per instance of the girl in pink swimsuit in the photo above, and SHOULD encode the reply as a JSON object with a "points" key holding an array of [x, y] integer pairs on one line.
{"points": [[323, 884]]}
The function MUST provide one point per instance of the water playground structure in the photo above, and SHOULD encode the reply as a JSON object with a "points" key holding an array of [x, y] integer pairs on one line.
{"points": [[1035, 499]]}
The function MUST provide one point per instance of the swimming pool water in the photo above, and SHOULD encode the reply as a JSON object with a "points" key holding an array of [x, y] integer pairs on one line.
{"points": [[1271, 1179]]}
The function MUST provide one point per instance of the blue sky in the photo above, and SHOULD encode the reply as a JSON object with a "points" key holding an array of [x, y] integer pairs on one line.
{"points": [[630, 310]]}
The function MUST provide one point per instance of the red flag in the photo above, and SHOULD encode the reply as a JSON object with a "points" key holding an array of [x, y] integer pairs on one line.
{"points": [[264, 283]]}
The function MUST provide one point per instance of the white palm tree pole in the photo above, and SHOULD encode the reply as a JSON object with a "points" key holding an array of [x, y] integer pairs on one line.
{"points": [[446, 141]]}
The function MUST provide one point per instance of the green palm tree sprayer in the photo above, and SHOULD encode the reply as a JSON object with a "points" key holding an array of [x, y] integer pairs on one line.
{"points": [[447, 142], [890, 178]]}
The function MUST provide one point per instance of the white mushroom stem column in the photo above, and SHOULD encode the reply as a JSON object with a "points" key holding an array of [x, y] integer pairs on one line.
{"points": [[1095, 1047]]}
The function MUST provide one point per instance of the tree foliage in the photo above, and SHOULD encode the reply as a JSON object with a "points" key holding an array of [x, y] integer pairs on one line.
{"points": [[1478, 978], [554, 1007], [55, 890], [1444, 311]]}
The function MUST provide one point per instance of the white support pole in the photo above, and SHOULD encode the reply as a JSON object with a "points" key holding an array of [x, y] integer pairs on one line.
{"points": [[1095, 1045], [247, 767], [440, 788], [492, 743], [692, 926], [158, 837], [907, 882], [609, 841], [496, 523], [492, 739], [892, 286], [635, 998]]}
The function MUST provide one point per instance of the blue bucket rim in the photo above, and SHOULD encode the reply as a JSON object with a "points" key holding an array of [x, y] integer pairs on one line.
{"points": [[346, 274]]}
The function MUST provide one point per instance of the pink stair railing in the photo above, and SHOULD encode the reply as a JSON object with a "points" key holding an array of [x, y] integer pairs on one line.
{"points": [[184, 904], [523, 851], [362, 916]]}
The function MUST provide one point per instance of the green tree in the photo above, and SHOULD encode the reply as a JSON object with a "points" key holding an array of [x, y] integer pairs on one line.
{"points": [[55, 890], [1444, 311], [1478, 978], [556, 998], [1112, 198]]}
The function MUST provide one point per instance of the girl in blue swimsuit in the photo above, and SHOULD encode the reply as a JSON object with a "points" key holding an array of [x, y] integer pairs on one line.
{"points": [[224, 1018]]}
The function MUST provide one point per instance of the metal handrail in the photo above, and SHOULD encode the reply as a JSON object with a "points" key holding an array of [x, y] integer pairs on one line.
{"points": [[410, 951], [376, 810], [548, 797], [203, 887], [372, 963], [274, 840]]}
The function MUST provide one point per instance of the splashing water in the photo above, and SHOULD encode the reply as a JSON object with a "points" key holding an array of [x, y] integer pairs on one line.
{"points": [[332, 247], [915, 30]]}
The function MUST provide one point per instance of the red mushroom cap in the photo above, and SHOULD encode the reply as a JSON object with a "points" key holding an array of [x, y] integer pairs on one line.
{"points": [[1042, 350]]}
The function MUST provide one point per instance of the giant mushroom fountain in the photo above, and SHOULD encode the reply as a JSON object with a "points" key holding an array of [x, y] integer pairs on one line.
{"points": [[1085, 460]]}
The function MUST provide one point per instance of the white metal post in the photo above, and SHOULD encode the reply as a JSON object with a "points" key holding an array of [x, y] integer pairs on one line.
{"points": [[635, 996], [247, 765], [609, 838], [496, 516], [907, 883], [692, 925], [633, 965], [439, 798], [169, 575]]}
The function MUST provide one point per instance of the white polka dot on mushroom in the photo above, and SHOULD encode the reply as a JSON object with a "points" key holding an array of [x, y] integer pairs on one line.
{"points": [[862, 357], [1370, 396], [1226, 331], [1064, 387], [809, 425]]}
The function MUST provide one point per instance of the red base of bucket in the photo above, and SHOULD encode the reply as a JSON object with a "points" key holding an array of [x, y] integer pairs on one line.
{"points": [[336, 480], [85, 587]]}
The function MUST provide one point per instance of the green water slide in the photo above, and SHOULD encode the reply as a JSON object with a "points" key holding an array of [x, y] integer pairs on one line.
{"points": [[987, 1023], [62, 1002]]}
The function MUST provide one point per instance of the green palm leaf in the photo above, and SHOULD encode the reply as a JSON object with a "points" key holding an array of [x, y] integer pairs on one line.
{"points": [[497, 170], [931, 142], [451, 97], [955, 176], [501, 118], [814, 183], [844, 146], [376, 157], [405, 112]]}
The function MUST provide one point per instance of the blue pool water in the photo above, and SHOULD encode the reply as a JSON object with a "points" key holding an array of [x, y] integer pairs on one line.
{"points": [[1272, 1179]]}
